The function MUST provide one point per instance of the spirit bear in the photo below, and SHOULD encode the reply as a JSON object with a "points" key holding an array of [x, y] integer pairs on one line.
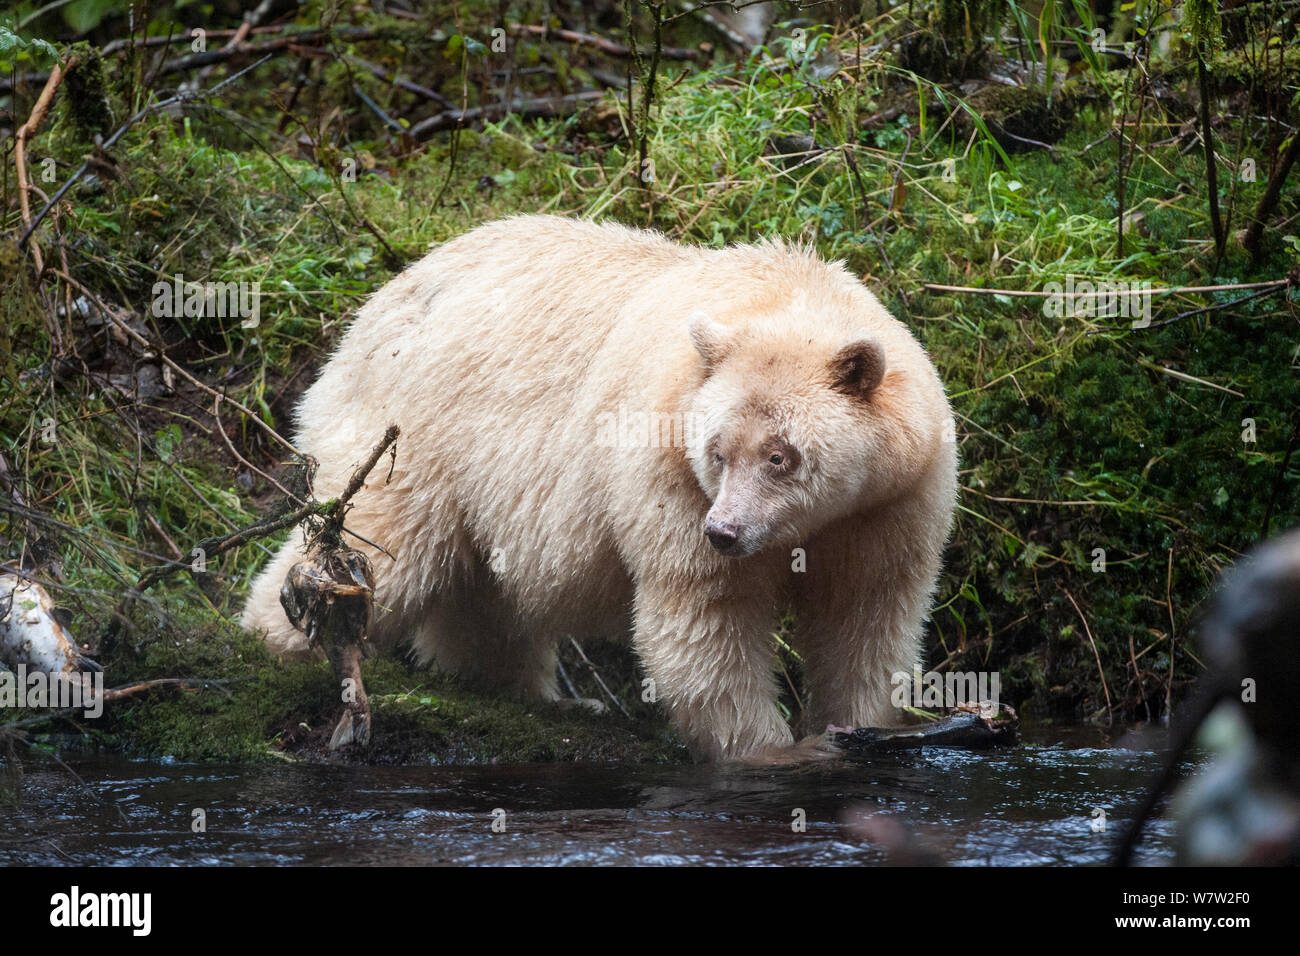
{"points": [[603, 433]]}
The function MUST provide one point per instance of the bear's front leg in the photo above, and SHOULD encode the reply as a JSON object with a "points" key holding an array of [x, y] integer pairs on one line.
{"points": [[710, 657], [860, 607]]}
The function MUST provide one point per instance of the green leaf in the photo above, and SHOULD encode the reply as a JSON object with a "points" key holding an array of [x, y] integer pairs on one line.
{"points": [[84, 15], [167, 441]]}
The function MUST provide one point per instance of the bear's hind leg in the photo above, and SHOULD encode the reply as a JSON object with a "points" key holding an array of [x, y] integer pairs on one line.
{"points": [[482, 645]]}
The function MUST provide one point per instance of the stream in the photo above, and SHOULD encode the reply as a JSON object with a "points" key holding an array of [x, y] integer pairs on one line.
{"points": [[1030, 805]]}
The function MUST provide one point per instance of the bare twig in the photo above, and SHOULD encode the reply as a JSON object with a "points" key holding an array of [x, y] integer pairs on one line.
{"points": [[596, 674], [119, 693], [600, 43], [216, 416], [251, 19], [529, 108], [1272, 193], [410, 87], [1215, 307], [289, 35], [1184, 377], [1100, 670], [332, 511], [27, 130]]}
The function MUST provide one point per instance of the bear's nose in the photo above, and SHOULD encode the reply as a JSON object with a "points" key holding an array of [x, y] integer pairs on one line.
{"points": [[723, 537]]}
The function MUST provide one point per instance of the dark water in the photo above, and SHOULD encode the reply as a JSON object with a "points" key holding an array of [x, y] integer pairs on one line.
{"points": [[1031, 805]]}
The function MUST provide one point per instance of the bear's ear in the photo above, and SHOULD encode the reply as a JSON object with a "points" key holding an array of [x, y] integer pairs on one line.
{"points": [[712, 340], [858, 367]]}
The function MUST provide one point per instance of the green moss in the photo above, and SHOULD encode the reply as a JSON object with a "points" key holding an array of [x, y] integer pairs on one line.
{"points": [[87, 99], [251, 706], [427, 718]]}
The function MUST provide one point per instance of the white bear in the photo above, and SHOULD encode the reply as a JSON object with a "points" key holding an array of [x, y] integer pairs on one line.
{"points": [[603, 433]]}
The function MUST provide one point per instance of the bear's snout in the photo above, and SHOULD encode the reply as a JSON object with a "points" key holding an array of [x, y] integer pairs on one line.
{"points": [[722, 536]]}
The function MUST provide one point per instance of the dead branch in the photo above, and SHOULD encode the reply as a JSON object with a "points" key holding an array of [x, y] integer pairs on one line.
{"points": [[291, 34], [1216, 306], [251, 19], [1268, 201], [528, 109], [1101, 670], [599, 43], [112, 694], [20, 148], [380, 73], [328, 596], [596, 674]]}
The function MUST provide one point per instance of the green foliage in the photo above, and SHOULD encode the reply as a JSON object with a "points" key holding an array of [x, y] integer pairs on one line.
{"points": [[19, 51], [1203, 27]]}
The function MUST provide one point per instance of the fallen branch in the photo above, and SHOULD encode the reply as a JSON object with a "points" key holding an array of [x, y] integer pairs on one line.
{"points": [[20, 148], [380, 73], [1184, 377], [113, 694], [251, 19], [9, 83], [332, 510], [599, 43], [528, 109], [1259, 294]]}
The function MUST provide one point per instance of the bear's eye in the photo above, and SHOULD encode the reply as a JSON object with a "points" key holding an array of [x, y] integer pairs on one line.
{"points": [[782, 458]]}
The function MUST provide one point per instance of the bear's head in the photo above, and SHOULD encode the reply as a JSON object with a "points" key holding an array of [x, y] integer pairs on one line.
{"points": [[793, 430]]}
